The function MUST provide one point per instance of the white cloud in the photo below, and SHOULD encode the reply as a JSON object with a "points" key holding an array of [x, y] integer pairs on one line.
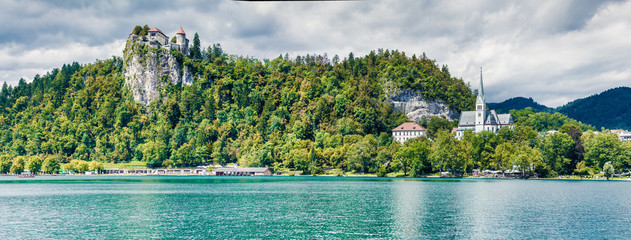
{"points": [[553, 51], [15, 64]]}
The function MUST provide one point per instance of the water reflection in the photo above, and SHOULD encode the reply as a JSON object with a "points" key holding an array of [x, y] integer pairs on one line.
{"points": [[409, 200]]}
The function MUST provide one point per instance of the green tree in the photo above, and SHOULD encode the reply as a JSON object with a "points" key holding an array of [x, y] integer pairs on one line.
{"points": [[154, 153], [448, 154], [51, 164], [504, 153], [601, 148], [144, 31], [95, 166], [437, 124], [5, 164], [608, 169], [415, 154], [582, 169], [18, 165], [195, 49], [78, 166], [527, 159], [186, 156], [361, 155], [557, 151], [34, 164], [137, 30]]}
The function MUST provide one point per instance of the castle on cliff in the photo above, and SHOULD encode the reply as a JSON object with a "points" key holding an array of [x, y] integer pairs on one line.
{"points": [[157, 39]]}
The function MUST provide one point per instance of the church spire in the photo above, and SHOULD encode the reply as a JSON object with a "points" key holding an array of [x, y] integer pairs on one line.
{"points": [[481, 85]]}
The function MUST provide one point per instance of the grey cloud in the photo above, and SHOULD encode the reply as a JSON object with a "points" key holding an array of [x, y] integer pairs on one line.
{"points": [[528, 48]]}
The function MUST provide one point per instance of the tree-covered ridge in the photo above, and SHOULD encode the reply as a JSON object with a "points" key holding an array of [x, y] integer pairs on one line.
{"points": [[608, 109], [604, 110], [258, 113], [518, 103]]}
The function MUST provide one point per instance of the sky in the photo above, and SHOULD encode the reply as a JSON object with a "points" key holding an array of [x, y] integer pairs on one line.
{"points": [[553, 51]]}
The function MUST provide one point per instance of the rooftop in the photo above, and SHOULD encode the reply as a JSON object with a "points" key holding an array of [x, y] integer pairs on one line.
{"points": [[155, 29], [181, 31], [409, 126]]}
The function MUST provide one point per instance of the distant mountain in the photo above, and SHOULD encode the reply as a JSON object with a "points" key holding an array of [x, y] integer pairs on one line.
{"points": [[609, 109], [517, 103]]}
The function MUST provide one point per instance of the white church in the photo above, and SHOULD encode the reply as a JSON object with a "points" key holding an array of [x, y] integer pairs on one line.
{"points": [[482, 119]]}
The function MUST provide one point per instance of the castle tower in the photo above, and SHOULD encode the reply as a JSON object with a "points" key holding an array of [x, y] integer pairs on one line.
{"points": [[180, 38], [480, 108]]}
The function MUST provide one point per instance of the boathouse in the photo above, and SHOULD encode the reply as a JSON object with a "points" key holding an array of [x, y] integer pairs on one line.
{"points": [[252, 171]]}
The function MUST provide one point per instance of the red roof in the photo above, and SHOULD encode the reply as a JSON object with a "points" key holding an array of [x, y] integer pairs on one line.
{"points": [[181, 31], [155, 29], [409, 126]]}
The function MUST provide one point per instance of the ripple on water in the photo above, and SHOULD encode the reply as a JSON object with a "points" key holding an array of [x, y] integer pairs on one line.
{"points": [[307, 207]]}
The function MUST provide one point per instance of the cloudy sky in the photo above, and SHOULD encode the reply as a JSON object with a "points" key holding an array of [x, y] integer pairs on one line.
{"points": [[553, 51]]}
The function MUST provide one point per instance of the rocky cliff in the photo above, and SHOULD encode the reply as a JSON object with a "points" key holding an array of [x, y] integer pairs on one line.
{"points": [[416, 108], [148, 69]]}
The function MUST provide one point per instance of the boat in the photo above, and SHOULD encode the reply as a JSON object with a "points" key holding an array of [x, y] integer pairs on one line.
{"points": [[26, 175]]}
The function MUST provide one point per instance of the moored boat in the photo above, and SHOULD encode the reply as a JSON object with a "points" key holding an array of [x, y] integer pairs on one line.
{"points": [[26, 175]]}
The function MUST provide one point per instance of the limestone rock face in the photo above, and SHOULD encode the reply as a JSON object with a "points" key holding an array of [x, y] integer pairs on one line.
{"points": [[147, 69], [416, 108]]}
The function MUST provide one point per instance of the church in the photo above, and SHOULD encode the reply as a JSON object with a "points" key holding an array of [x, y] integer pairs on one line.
{"points": [[482, 119]]}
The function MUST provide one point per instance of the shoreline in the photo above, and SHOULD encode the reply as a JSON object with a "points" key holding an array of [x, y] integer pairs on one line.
{"points": [[318, 176]]}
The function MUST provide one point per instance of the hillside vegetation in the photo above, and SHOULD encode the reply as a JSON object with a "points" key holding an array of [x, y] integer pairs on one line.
{"points": [[308, 114], [609, 109], [254, 112]]}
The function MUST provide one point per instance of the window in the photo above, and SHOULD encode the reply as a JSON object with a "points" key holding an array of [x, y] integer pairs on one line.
{"points": [[479, 107]]}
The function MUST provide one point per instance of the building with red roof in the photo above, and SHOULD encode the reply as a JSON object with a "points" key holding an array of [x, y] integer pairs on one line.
{"points": [[407, 131]]}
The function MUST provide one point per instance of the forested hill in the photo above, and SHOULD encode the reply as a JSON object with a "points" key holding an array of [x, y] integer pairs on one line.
{"points": [[303, 113], [609, 109], [517, 103]]}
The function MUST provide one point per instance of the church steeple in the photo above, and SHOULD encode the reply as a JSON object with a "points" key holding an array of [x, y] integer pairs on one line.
{"points": [[480, 108], [481, 93]]}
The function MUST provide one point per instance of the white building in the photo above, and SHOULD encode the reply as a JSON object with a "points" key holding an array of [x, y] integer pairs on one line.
{"points": [[407, 131], [624, 136], [481, 119]]}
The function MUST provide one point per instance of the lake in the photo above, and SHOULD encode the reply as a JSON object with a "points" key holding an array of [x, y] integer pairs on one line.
{"points": [[140, 207]]}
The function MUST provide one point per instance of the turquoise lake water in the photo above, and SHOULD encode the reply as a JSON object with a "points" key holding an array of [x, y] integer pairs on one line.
{"points": [[142, 207]]}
